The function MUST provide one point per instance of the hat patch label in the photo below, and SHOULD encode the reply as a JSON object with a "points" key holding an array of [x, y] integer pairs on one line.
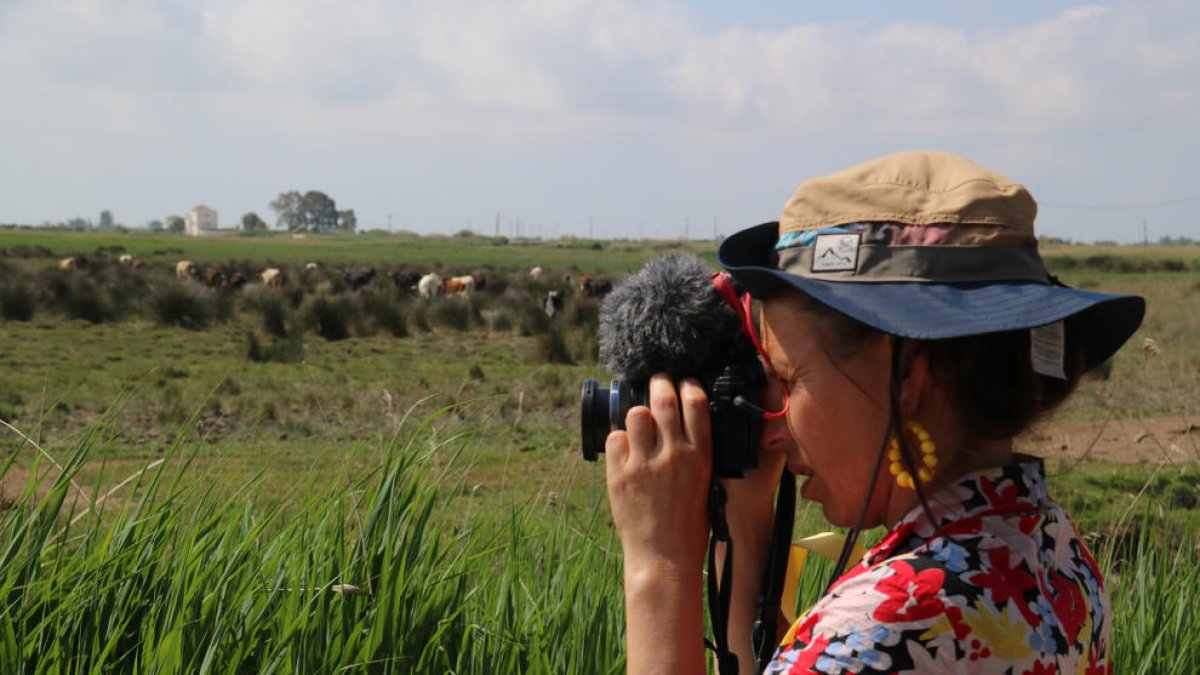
{"points": [[1046, 347], [835, 253]]}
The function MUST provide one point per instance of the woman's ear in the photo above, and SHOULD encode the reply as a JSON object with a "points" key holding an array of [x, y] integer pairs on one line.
{"points": [[915, 377]]}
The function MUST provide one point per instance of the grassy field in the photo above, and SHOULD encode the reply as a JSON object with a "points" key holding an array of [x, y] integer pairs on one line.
{"points": [[429, 453]]}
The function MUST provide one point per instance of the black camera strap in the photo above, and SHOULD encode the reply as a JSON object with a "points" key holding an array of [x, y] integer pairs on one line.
{"points": [[775, 572], [719, 596]]}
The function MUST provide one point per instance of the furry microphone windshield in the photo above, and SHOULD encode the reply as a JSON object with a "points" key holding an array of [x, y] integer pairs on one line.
{"points": [[666, 317]]}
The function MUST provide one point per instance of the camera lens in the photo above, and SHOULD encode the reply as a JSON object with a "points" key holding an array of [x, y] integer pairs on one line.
{"points": [[603, 410], [594, 418]]}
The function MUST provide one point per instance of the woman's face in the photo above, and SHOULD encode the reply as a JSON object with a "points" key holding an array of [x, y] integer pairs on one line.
{"points": [[838, 413]]}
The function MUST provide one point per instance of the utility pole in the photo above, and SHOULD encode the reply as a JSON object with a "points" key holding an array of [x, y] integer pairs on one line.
{"points": [[591, 227], [687, 228], [497, 223], [1145, 233], [389, 222]]}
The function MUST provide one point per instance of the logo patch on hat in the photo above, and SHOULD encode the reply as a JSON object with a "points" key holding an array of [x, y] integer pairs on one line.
{"points": [[835, 253]]}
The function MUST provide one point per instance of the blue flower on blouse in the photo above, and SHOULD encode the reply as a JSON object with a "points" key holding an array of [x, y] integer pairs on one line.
{"points": [[953, 555]]}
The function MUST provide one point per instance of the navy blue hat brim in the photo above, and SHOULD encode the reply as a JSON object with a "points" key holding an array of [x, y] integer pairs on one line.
{"points": [[931, 311]]}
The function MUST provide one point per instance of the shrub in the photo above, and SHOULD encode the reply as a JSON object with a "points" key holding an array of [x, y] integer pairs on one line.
{"points": [[583, 313], [533, 320], [17, 301], [180, 303], [273, 309], [502, 320], [587, 346], [86, 300], [552, 347], [277, 350], [419, 317], [385, 314], [331, 318], [451, 313]]}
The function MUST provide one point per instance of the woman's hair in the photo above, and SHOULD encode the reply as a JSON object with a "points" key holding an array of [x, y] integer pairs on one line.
{"points": [[989, 377]]}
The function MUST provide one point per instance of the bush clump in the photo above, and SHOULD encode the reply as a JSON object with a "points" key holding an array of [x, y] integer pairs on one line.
{"points": [[17, 302], [331, 318], [553, 347], [384, 313], [180, 303], [272, 309], [275, 350], [453, 313]]}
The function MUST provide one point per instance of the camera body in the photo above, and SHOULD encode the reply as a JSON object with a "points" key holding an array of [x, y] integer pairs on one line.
{"points": [[734, 387]]}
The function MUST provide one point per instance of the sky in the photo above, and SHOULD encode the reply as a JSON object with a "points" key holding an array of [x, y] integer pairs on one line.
{"points": [[604, 118]]}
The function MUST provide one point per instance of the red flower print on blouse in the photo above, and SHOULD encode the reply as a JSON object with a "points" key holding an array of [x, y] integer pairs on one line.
{"points": [[1040, 668], [910, 596], [1069, 605], [1007, 583]]}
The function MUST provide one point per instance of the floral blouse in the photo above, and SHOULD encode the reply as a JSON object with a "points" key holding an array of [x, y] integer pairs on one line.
{"points": [[1011, 589]]}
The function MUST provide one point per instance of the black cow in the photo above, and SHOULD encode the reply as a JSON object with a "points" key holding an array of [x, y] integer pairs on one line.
{"points": [[358, 277]]}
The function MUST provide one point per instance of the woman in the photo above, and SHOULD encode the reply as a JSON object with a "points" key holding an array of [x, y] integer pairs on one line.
{"points": [[912, 331]]}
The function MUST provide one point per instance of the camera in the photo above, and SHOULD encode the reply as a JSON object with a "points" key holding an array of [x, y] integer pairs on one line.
{"points": [[733, 389]]}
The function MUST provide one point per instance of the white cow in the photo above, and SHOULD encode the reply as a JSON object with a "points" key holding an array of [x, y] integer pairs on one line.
{"points": [[536, 273], [185, 269], [125, 259], [430, 286], [272, 277]]}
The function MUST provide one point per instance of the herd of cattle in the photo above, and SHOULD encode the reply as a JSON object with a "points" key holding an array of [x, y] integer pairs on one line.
{"points": [[427, 286]]}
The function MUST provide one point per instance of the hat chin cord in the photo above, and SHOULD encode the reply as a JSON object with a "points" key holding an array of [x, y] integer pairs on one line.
{"points": [[895, 378]]}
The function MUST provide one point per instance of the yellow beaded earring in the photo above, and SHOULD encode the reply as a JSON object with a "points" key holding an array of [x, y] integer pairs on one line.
{"points": [[920, 438]]}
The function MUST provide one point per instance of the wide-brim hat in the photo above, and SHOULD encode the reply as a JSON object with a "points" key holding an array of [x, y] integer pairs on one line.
{"points": [[924, 245]]}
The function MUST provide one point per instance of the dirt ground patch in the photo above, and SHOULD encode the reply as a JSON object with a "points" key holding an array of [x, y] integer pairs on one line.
{"points": [[1167, 439]]}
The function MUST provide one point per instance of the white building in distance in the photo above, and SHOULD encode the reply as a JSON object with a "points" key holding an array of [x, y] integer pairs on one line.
{"points": [[200, 221]]}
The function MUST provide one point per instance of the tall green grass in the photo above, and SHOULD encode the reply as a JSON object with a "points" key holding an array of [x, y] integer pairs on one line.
{"points": [[386, 573], [361, 576]]}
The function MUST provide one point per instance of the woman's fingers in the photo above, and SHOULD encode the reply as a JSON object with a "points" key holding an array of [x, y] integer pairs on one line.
{"points": [[697, 427], [675, 425]]}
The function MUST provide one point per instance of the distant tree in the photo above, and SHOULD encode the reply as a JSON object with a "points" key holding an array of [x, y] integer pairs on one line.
{"points": [[175, 225], [106, 220], [347, 221], [289, 208], [313, 211], [252, 223], [78, 224], [155, 225], [320, 212]]}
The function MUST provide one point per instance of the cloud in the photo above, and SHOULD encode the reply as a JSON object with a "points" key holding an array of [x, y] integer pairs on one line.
{"points": [[272, 85]]}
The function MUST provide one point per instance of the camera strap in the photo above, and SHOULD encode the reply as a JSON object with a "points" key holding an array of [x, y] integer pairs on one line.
{"points": [[770, 594], [719, 596]]}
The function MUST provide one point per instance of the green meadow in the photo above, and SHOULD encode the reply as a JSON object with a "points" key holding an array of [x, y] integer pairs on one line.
{"points": [[318, 479]]}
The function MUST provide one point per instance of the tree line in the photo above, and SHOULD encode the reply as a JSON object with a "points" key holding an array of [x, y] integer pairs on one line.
{"points": [[312, 211]]}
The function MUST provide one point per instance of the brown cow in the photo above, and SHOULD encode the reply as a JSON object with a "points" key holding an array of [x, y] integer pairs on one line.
{"points": [[592, 287], [458, 285], [235, 281], [212, 277]]}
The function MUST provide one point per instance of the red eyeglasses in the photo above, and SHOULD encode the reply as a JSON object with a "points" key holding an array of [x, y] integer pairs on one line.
{"points": [[740, 303]]}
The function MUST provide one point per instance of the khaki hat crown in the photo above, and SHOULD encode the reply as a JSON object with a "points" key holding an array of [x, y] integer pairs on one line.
{"points": [[915, 188]]}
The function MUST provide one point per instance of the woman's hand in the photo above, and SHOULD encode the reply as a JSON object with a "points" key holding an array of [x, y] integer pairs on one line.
{"points": [[658, 476], [658, 473]]}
